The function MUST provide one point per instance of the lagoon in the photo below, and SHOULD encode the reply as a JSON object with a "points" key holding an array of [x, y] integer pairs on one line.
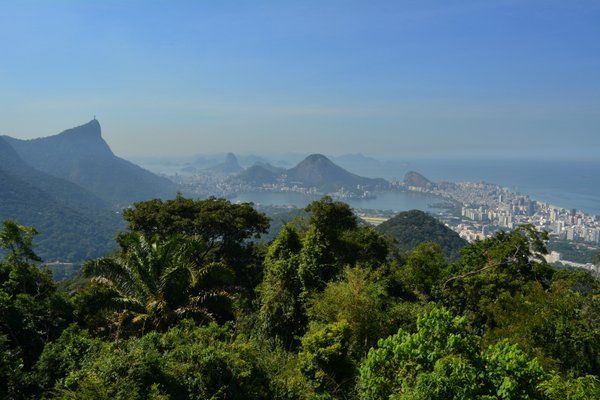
{"points": [[394, 201]]}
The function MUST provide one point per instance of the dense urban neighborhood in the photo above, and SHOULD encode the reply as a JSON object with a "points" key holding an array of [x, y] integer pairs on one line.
{"points": [[486, 208]]}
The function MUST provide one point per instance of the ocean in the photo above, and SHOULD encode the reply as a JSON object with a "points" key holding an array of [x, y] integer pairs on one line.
{"points": [[568, 184]]}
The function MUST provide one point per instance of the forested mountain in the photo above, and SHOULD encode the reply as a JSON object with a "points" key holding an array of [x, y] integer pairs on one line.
{"points": [[315, 171], [80, 155], [70, 187], [411, 228], [64, 191], [73, 223], [319, 171]]}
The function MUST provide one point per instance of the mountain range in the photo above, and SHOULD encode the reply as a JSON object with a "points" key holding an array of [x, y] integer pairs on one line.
{"points": [[315, 171], [81, 156], [70, 187]]}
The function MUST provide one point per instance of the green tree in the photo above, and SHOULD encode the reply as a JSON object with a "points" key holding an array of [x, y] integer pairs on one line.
{"points": [[363, 245], [152, 286], [217, 221], [493, 267], [423, 270], [12, 375], [32, 311], [225, 228], [186, 362], [17, 240], [559, 326], [325, 359], [66, 354], [331, 217], [347, 243], [317, 263], [281, 311], [361, 302], [582, 388], [577, 280], [441, 360]]}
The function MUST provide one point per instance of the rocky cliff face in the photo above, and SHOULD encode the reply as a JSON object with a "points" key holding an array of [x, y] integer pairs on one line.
{"points": [[415, 179]]}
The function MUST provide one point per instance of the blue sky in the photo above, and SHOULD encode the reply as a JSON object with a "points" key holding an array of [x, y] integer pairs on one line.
{"points": [[404, 78]]}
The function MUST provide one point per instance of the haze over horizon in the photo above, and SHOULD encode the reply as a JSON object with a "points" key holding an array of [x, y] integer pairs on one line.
{"points": [[471, 78]]}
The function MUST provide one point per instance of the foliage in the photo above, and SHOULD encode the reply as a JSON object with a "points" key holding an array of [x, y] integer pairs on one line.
{"points": [[32, 311], [18, 242], [155, 285], [223, 227], [185, 362], [559, 326], [217, 221], [582, 388], [358, 300], [317, 261], [281, 312], [411, 228], [328, 310], [11, 371], [325, 359], [331, 217], [423, 271], [66, 354], [495, 267], [442, 360], [279, 218]]}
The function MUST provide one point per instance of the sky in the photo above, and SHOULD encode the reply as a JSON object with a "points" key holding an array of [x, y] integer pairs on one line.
{"points": [[390, 78]]}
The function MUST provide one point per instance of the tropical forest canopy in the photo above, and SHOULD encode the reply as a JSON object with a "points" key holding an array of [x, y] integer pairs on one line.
{"points": [[192, 306]]}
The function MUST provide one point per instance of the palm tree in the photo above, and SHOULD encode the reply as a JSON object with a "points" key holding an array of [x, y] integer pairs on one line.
{"points": [[155, 285]]}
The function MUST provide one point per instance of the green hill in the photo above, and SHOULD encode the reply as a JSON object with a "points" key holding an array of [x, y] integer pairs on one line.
{"points": [[318, 171], [411, 228], [73, 224]]}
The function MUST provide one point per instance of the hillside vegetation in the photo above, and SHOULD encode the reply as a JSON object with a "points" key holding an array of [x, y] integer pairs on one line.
{"points": [[192, 306], [411, 228], [72, 187], [75, 225]]}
